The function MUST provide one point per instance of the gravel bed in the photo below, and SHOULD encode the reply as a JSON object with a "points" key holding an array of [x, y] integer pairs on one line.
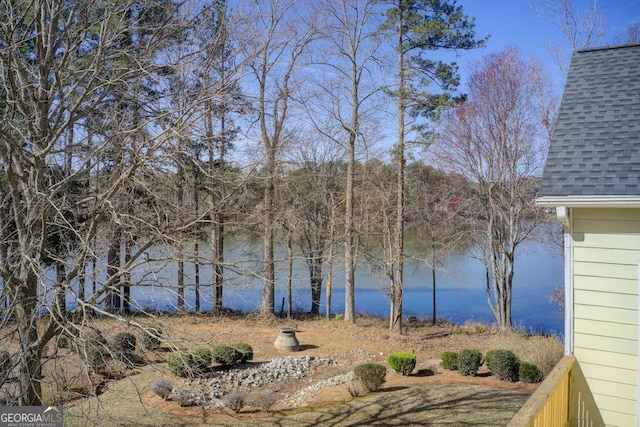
{"points": [[209, 393]]}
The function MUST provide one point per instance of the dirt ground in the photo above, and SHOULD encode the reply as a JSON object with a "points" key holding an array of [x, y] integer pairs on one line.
{"points": [[430, 396]]}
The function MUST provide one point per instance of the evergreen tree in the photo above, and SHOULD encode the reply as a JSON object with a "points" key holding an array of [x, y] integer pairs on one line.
{"points": [[421, 27]]}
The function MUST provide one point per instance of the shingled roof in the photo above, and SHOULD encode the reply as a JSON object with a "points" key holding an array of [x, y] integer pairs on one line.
{"points": [[595, 149]]}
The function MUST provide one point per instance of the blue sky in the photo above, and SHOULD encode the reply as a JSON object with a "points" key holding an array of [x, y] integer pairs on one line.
{"points": [[515, 22]]}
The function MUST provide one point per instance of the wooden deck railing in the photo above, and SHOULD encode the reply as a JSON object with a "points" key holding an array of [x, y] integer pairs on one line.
{"points": [[548, 406]]}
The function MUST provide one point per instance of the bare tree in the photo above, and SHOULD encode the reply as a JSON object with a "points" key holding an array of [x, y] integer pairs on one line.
{"points": [[579, 28], [497, 141], [631, 35], [312, 186], [58, 66], [378, 211], [432, 212], [281, 33], [347, 98], [219, 74]]}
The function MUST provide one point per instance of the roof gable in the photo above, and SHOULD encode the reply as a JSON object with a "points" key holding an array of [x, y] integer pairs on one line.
{"points": [[595, 148]]}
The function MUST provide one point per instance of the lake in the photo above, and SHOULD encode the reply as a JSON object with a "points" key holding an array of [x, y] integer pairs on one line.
{"points": [[460, 287]]}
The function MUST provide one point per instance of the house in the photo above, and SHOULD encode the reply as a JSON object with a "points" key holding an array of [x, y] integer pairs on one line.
{"points": [[592, 179]]}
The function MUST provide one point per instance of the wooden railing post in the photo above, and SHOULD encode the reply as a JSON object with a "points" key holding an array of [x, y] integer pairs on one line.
{"points": [[550, 404]]}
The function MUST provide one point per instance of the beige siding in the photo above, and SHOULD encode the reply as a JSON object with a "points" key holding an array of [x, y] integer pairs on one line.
{"points": [[622, 286], [606, 254], [604, 356], [596, 328], [604, 314]]}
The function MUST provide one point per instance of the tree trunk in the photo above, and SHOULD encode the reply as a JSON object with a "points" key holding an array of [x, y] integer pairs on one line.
{"points": [[349, 261], [330, 260], [29, 365], [217, 214], [433, 278], [196, 249], [61, 301], [196, 275], [315, 272], [396, 306], [289, 274], [218, 256], [126, 286], [268, 293], [180, 262], [113, 273]]}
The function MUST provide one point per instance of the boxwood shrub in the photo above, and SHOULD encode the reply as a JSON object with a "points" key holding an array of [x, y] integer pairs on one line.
{"points": [[227, 355], [200, 359], [370, 375], [402, 362], [245, 349], [123, 345], [150, 338], [504, 364], [449, 360], [96, 350], [529, 373], [488, 357], [180, 363], [469, 362]]}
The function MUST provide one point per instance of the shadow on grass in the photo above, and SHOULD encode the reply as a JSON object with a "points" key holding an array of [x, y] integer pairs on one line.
{"points": [[424, 373], [304, 347], [429, 405], [433, 405], [392, 389]]}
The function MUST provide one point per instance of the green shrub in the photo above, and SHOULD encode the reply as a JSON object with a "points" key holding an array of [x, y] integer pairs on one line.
{"points": [[529, 373], [488, 357], [402, 362], [94, 349], [150, 338], [226, 355], [245, 349], [5, 363], [180, 363], [370, 375], [200, 358], [504, 364], [123, 344], [449, 360], [469, 362]]}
